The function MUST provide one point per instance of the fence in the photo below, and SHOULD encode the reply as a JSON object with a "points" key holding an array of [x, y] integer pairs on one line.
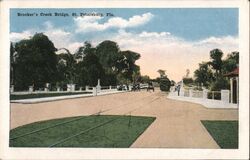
{"points": [[70, 88], [222, 95]]}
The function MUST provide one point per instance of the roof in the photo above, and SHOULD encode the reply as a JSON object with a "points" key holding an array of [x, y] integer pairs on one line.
{"points": [[234, 73]]}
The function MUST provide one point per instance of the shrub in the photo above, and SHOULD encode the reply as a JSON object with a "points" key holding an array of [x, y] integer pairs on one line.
{"points": [[219, 84]]}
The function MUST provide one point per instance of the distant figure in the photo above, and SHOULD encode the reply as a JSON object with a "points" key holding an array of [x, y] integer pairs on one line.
{"points": [[150, 86], [178, 89]]}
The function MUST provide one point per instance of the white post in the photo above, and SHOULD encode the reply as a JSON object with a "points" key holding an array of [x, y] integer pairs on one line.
{"points": [[130, 87], [231, 90], [94, 91], [68, 87], [11, 88], [80, 89], [225, 96], [237, 90], [86, 88], [73, 87], [190, 93], [30, 88], [46, 89], [98, 87], [205, 94], [58, 89], [110, 87]]}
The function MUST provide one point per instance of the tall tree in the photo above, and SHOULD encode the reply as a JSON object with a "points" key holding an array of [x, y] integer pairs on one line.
{"points": [[109, 55], [36, 62], [216, 63], [162, 73], [66, 67], [203, 75], [127, 65], [13, 57], [89, 69], [231, 62]]}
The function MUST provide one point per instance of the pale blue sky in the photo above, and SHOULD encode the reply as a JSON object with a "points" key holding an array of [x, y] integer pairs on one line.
{"points": [[169, 39], [190, 24]]}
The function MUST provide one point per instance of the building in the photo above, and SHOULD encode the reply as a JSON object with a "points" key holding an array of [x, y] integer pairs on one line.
{"points": [[234, 85]]}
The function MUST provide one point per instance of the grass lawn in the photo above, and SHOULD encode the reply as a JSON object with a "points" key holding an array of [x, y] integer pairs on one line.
{"points": [[121, 132], [41, 95], [225, 133]]}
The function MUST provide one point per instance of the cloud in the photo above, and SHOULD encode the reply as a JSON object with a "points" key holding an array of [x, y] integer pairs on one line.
{"points": [[15, 36], [159, 50], [173, 54], [60, 37], [91, 23]]}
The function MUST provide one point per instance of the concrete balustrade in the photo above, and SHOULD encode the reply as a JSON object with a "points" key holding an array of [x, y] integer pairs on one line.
{"points": [[225, 96]]}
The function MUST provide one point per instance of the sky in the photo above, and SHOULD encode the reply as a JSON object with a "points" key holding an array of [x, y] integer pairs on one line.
{"points": [[172, 39]]}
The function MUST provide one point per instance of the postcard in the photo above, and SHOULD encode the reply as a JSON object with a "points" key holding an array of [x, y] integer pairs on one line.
{"points": [[124, 79]]}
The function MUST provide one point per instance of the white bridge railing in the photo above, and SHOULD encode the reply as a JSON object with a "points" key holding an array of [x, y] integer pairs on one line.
{"points": [[223, 95], [70, 89]]}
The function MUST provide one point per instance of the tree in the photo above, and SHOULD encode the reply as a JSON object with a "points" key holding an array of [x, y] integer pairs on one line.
{"points": [[216, 63], [13, 57], [66, 67], [109, 55], [162, 73], [127, 65], [187, 81], [89, 69], [203, 75], [231, 62], [36, 62], [145, 79]]}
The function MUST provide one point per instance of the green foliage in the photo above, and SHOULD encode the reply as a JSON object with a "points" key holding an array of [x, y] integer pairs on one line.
{"points": [[188, 81], [145, 79], [162, 73], [225, 133], [203, 75], [219, 84], [210, 74], [36, 62], [122, 131], [231, 62], [216, 57], [127, 65]]}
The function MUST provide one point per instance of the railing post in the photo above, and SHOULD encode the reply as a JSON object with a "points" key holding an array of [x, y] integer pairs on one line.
{"points": [[110, 87], [225, 96], [190, 93], [212, 94], [11, 88], [80, 89], [86, 88], [182, 92], [204, 94], [94, 91], [68, 87], [30, 89], [73, 87], [58, 89]]}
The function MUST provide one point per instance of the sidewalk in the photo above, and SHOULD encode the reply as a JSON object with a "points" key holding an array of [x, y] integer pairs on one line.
{"points": [[208, 103], [49, 99]]}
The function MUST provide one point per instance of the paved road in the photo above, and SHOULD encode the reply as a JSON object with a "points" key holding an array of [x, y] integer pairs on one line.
{"points": [[177, 123]]}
